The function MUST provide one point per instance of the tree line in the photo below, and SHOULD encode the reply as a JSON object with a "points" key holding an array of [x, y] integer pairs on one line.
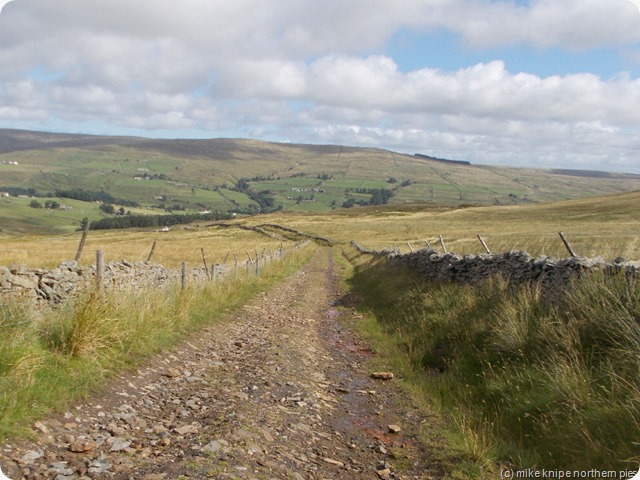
{"points": [[94, 196], [145, 221]]}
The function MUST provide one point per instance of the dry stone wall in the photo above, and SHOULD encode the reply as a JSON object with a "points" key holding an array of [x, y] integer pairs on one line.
{"points": [[515, 266], [41, 286], [46, 287]]}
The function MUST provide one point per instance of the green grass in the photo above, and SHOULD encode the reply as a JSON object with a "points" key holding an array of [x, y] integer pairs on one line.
{"points": [[18, 216], [50, 358], [525, 382]]}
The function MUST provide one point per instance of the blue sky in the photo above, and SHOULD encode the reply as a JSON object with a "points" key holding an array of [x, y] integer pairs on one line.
{"points": [[549, 83]]}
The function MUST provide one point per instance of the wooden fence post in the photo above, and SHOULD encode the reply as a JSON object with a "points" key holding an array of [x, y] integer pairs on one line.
{"points": [[486, 249], [410, 247], [568, 245], [153, 249], [183, 276], [99, 269], [83, 239], [444, 248], [204, 260], [235, 266]]}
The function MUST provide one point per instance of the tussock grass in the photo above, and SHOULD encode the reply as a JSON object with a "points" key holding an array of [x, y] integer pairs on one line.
{"points": [[526, 382], [48, 359]]}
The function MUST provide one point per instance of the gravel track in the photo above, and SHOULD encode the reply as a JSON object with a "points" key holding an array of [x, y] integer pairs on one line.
{"points": [[280, 390]]}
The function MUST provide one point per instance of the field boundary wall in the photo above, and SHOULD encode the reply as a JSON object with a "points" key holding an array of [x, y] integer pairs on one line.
{"points": [[41, 287], [518, 267]]}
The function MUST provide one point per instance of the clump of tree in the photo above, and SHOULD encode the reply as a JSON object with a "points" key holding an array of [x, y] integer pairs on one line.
{"points": [[145, 221], [155, 176], [263, 198], [30, 192], [51, 204], [94, 196], [379, 196], [108, 208]]}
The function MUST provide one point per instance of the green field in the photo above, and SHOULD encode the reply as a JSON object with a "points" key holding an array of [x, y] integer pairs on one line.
{"points": [[197, 175]]}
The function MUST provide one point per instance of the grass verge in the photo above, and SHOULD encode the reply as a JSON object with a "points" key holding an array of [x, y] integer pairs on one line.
{"points": [[523, 382], [52, 359]]}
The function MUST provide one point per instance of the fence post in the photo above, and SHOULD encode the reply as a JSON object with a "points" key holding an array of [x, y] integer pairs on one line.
{"points": [[235, 266], [153, 249], [444, 248], [204, 260], [568, 245], [99, 269], [486, 249], [257, 265], [85, 232], [410, 247], [183, 276]]}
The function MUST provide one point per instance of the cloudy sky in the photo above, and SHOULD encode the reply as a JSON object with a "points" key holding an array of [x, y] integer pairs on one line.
{"points": [[514, 82]]}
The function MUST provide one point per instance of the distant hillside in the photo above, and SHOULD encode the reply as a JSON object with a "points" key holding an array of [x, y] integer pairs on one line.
{"points": [[250, 176]]}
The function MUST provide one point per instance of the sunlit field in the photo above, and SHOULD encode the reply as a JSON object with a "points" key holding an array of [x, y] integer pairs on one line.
{"points": [[172, 248], [608, 227]]}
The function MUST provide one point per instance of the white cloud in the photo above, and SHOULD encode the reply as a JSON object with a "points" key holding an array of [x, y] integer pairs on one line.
{"points": [[312, 71], [545, 23]]}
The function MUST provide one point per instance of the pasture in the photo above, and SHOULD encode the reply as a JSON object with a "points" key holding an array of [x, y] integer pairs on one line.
{"points": [[608, 227]]}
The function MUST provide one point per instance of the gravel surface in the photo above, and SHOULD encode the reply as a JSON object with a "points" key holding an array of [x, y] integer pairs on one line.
{"points": [[280, 390]]}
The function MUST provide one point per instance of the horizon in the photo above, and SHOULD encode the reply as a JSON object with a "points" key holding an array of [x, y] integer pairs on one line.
{"points": [[520, 83], [429, 155]]}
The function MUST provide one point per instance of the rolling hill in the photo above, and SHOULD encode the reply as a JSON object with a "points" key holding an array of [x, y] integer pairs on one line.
{"points": [[248, 176]]}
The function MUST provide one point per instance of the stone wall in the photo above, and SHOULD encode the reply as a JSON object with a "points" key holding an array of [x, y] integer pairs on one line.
{"points": [[40, 286], [515, 266]]}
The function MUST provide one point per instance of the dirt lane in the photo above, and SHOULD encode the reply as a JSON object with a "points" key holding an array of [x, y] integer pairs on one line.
{"points": [[280, 391]]}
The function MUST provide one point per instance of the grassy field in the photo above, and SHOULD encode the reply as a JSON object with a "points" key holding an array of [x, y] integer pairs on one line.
{"points": [[606, 226], [173, 247], [603, 226]]}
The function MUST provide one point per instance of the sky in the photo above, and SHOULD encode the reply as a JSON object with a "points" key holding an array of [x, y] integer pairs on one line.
{"points": [[548, 83]]}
